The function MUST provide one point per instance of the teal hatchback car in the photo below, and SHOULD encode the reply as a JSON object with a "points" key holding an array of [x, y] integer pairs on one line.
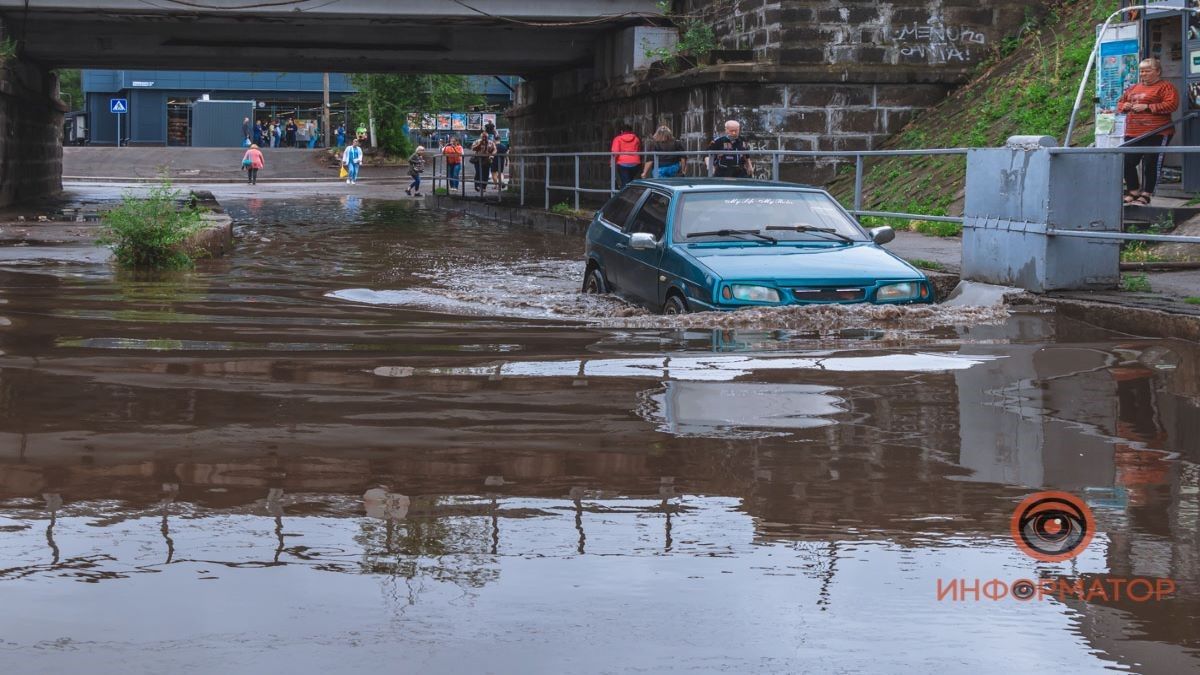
{"points": [[698, 244]]}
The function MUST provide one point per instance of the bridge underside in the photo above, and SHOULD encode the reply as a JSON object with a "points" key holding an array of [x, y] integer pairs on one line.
{"points": [[352, 36]]}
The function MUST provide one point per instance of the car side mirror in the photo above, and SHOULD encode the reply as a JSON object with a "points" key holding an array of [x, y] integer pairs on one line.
{"points": [[882, 235], [642, 241]]}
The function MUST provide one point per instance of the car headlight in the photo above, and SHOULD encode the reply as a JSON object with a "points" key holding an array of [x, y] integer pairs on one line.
{"points": [[908, 290], [750, 293]]}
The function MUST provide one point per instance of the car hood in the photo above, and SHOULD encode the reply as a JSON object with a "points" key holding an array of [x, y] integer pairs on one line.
{"points": [[804, 264]]}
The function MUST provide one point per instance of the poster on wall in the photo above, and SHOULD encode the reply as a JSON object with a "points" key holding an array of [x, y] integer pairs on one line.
{"points": [[474, 121], [1194, 21], [1118, 70], [443, 122], [428, 121], [489, 118], [458, 121], [414, 121]]}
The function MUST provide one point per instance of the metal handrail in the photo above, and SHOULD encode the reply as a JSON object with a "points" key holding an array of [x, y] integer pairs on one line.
{"points": [[521, 160], [1164, 127]]}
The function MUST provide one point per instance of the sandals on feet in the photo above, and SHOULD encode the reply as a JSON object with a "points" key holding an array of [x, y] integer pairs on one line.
{"points": [[1142, 200], [1129, 198]]}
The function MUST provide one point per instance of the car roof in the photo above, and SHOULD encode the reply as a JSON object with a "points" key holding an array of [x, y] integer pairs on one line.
{"points": [[710, 184]]}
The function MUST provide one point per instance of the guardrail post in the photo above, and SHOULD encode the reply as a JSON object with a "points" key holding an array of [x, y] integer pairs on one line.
{"points": [[576, 182], [775, 165], [612, 176], [547, 182], [858, 181], [522, 174]]}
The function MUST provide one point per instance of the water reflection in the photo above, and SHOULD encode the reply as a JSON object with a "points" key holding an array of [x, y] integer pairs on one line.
{"points": [[233, 467]]}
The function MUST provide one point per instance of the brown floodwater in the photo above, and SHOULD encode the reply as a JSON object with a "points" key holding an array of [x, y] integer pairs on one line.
{"points": [[381, 438]]}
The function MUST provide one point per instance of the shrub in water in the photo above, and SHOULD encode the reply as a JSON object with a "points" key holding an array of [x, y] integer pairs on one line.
{"points": [[150, 232]]}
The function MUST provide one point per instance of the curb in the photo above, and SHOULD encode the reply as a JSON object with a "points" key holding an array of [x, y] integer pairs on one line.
{"points": [[230, 181]]}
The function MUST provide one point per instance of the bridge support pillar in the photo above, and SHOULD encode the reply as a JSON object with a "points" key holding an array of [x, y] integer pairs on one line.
{"points": [[1018, 195], [31, 130]]}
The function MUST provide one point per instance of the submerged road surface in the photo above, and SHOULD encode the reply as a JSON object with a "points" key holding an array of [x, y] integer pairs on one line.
{"points": [[377, 438]]}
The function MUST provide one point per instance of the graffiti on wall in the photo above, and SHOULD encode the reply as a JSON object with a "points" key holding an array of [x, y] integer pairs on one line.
{"points": [[937, 42]]}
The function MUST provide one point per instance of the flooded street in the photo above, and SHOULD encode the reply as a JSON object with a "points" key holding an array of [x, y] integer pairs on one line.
{"points": [[382, 437]]}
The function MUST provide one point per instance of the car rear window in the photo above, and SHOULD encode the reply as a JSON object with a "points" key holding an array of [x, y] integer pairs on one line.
{"points": [[758, 209], [617, 211]]}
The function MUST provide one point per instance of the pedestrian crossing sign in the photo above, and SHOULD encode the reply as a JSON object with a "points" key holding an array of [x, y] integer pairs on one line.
{"points": [[118, 106]]}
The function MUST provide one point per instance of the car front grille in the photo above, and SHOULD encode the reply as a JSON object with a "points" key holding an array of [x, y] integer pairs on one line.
{"points": [[829, 294]]}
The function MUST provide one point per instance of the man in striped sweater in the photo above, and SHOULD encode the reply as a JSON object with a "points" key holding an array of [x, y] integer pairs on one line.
{"points": [[1147, 106]]}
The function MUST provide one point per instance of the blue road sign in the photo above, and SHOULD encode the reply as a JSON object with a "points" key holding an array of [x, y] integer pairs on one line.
{"points": [[118, 106]]}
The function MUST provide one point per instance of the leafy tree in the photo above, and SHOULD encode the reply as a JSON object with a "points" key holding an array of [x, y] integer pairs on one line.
{"points": [[70, 85], [392, 97]]}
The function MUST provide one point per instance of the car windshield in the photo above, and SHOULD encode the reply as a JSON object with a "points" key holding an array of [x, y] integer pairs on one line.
{"points": [[784, 215]]}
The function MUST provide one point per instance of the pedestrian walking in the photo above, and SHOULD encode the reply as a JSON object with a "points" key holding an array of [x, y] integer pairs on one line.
{"points": [[454, 157], [352, 160], [483, 150], [1147, 106], [498, 163], [246, 129], [729, 159], [278, 133], [289, 133], [416, 166], [670, 163], [624, 145], [252, 161], [270, 133], [311, 128], [341, 134], [258, 132]]}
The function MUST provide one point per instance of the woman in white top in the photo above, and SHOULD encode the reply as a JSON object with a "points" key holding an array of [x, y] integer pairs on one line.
{"points": [[352, 160]]}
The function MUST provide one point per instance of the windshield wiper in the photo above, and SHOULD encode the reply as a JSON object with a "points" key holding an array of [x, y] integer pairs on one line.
{"points": [[728, 233], [813, 228]]}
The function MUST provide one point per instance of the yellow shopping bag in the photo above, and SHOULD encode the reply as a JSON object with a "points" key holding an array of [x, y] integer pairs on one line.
{"points": [[342, 173]]}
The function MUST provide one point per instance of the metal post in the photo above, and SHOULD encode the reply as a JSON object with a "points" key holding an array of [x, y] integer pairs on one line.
{"points": [[522, 170], [858, 181], [547, 182], [325, 112], [576, 182], [774, 166], [612, 175]]}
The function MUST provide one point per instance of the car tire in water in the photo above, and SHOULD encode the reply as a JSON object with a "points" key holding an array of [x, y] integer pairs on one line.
{"points": [[675, 305], [593, 282]]}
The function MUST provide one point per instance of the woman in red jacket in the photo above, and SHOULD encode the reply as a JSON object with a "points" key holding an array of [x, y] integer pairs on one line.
{"points": [[628, 165], [1147, 106]]}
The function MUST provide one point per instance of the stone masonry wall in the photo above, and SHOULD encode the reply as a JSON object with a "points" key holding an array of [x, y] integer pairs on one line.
{"points": [[839, 75], [31, 117], [861, 31]]}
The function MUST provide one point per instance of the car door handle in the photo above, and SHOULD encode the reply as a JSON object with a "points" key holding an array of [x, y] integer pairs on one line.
{"points": [[622, 246]]}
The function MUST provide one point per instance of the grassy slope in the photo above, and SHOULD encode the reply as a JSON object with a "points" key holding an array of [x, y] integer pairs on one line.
{"points": [[1027, 87]]}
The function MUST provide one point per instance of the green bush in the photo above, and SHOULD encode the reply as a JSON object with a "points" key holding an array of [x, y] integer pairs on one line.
{"points": [[150, 232], [1135, 283]]}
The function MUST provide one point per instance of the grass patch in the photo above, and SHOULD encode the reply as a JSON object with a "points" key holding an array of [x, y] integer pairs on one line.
{"points": [[928, 264], [1139, 252], [150, 232], [565, 209], [1135, 283], [441, 191], [1192, 300], [938, 228], [1026, 86]]}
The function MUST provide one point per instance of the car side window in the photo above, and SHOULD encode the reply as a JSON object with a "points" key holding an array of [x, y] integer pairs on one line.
{"points": [[652, 217], [618, 209]]}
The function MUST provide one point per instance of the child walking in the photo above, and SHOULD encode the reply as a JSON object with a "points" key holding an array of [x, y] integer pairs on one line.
{"points": [[416, 166]]}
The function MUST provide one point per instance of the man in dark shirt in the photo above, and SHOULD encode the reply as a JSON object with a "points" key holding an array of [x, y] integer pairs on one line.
{"points": [[729, 159]]}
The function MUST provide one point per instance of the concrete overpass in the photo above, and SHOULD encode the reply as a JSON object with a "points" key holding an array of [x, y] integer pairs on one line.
{"points": [[426, 36]]}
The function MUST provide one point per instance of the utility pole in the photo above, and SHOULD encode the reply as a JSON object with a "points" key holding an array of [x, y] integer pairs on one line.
{"points": [[371, 122], [325, 112]]}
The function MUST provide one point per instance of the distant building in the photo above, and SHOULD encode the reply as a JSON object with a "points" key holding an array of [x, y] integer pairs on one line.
{"points": [[161, 103]]}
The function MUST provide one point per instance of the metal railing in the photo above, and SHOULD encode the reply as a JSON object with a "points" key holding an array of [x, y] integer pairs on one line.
{"points": [[583, 171], [519, 169]]}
